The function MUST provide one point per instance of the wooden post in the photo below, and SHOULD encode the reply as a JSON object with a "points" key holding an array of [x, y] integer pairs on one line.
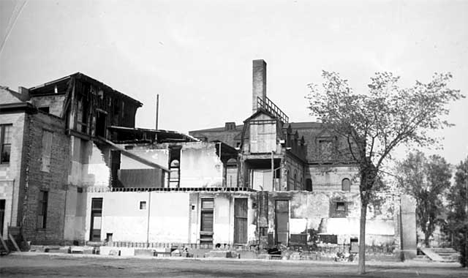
{"points": [[14, 242]]}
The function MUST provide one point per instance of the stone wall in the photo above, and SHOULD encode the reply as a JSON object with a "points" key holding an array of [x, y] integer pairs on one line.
{"points": [[11, 176]]}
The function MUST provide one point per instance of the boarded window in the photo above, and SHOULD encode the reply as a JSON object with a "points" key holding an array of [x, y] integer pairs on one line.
{"points": [[5, 143], [346, 185], [338, 209], [325, 149], [262, 136], [46, 150]]}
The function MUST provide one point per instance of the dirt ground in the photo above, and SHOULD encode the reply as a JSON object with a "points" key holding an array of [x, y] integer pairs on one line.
{"points": [[67, 265]]}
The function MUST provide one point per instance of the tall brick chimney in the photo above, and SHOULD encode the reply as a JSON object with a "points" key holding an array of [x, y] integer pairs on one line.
{"points": [[258, 82]]}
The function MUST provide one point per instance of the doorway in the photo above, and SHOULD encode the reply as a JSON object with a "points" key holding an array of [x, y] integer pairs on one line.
{"points": [[96, 219], [282, 221], [240, 221], [2, 215]]}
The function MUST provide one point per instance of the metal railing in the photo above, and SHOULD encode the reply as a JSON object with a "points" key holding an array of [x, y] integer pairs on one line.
{"points": [[271, 107]]}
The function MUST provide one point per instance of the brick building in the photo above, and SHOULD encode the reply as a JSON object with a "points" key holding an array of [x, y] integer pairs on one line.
{"points": [[50, 134], [75, 168]]}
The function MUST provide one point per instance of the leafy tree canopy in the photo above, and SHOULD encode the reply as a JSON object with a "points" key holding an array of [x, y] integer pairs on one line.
{"points": [[376, 122], [385, 116], [427, 180]]}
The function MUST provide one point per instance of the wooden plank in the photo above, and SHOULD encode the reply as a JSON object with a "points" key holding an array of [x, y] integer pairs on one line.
{"points": [[432, 255], [4, 244], [14, 242]]}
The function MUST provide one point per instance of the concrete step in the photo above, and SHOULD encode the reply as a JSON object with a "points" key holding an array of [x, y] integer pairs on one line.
{"points": [[442, 256], [220, 254]]}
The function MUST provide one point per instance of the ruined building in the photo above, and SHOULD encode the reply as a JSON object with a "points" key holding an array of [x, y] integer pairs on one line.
{"points": [[76, 169]]}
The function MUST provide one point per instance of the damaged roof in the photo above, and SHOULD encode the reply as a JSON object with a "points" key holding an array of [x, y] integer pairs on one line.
{"points": [[161, 135], [62, 85]]}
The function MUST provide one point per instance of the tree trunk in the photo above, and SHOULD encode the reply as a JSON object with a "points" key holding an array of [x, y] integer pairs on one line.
{"points": [[368, 176], [427, 234], [362, 235]]}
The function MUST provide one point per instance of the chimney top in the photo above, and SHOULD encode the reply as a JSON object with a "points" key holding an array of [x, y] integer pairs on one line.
{"points": [[258, 82]]}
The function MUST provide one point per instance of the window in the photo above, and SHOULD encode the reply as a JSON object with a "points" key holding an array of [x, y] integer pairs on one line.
{"points": [[346, 185], [309, 185], [44, 109], [295, 180], [326, 149], [42, 209], [5, 143], [143, 205], [174, 166], [46, 150], [2, 215], [338, 209]]}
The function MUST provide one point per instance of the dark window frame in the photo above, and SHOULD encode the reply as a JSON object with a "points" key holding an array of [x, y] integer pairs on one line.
{"points": [[42, 209], [4, 143], [346, 187]]}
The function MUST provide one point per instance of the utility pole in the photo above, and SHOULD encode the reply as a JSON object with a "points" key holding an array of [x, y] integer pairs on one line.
{"points": [[157, 111], [466, 219]]}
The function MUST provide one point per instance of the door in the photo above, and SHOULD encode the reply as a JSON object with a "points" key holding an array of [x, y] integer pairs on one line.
{"points": [[262, 180], [240, 221], [206, 219], [282, 221], [96, 219], [2, 215]]}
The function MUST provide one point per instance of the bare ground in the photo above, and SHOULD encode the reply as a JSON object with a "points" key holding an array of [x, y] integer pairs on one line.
{"points": [[66, 265]]}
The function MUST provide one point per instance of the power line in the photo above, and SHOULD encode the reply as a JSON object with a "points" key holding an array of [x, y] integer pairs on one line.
{"points": [[11, 24]]}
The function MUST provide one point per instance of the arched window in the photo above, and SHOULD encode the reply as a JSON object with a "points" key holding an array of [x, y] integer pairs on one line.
{"points": [[309, 184], [346, 185], [175, 164]]}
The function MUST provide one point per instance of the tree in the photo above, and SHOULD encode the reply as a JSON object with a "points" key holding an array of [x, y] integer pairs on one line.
{"points": [[426, 179], [457, 218], [374, 124]]}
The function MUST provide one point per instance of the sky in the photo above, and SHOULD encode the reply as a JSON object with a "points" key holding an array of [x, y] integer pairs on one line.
{"points": [[197, 55]]}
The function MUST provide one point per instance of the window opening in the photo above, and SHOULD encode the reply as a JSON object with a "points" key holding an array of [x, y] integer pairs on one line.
{"points": [[45, 109], [338, 209], [5, 143], [101, 124], [325, 149], [2, 215], [309, 185], [46, 150], [346, 185], [143, 205], [174, 166], [42, 209]]}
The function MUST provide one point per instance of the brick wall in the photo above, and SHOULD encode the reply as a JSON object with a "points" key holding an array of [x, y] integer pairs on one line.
{"points": [[52, 179]]}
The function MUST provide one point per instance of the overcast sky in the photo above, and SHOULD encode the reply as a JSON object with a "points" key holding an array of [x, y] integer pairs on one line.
{"points": [[197, 55]]}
